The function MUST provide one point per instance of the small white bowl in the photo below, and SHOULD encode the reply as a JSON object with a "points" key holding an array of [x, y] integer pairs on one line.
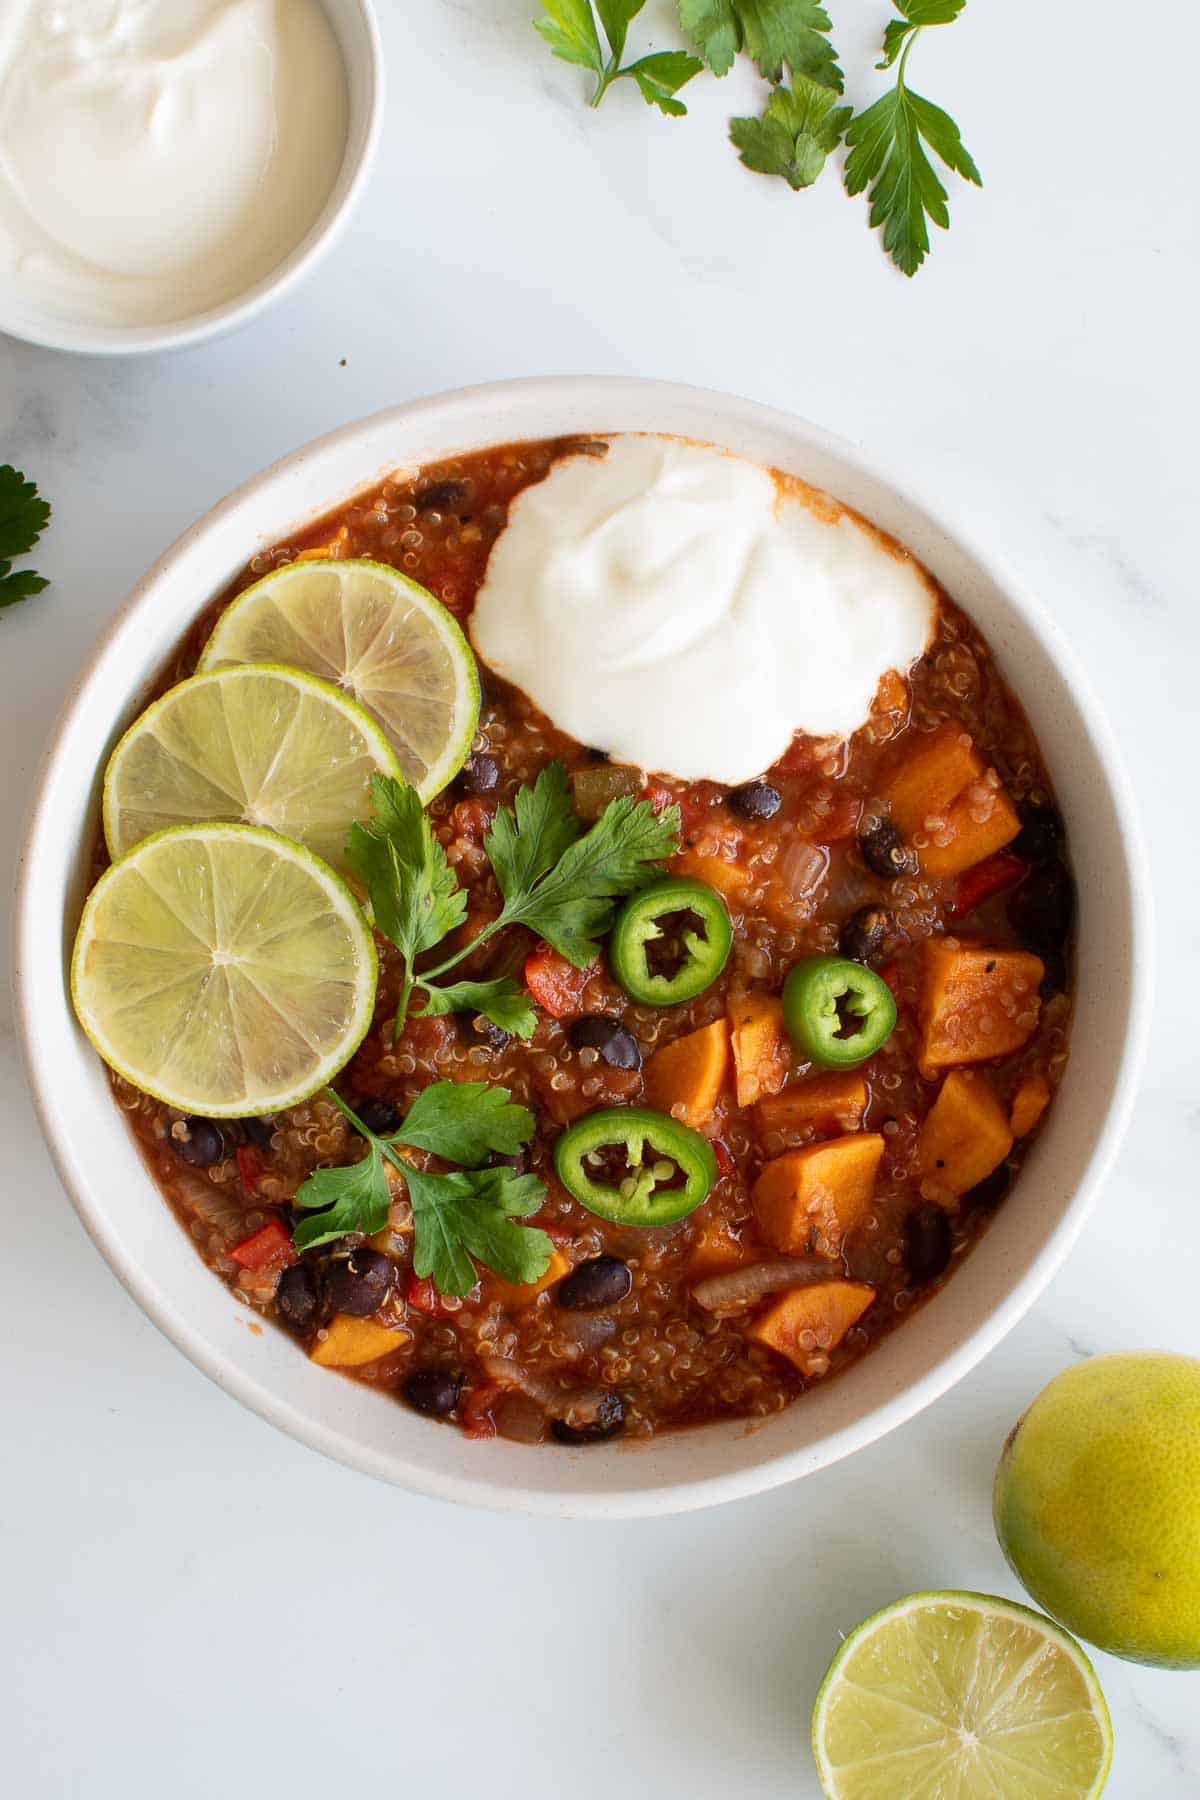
{"points": [[998, 1282], [354, 26]]}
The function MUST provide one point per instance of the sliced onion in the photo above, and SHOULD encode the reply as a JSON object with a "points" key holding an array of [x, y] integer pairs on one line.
{"points": [[736, 1289], [520, 1419], [542, 1388], [802, 868]]}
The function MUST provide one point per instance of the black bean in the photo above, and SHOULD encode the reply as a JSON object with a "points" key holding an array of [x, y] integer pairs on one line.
{"points": [[597, 756], [754, 800], [614, 1042], [1040, 834], [432, 1391], [380, 1116], [204, 1144], [480, 774], [359, 1283], [481, 1030], [259, 1132], [988, 1193], [1042, 909], [928, 1242], [608, 1419], [885, 852], [298, 1299], [601, 1281], [441, 496], [863, 933]]}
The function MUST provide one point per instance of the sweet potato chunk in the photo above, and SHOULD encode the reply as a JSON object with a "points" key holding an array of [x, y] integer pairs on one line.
{"points": [[715, 1247], [685, 1078], [810, 1321], [833, 1102], [964, 1138], [805, 1201], [349, 1343], [975, 1003], [762, 1050], [931, 778], [521, 1293], [948, 782], [729, 878], [1029, 1103]]}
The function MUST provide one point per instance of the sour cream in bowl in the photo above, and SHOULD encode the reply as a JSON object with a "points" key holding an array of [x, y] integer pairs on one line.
{"points": [[167, 166]]}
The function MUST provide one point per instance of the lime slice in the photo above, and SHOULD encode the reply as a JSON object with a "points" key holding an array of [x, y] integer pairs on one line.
{"points": [[963, 1696], [378, 636], [256, 746], [223, 969]]}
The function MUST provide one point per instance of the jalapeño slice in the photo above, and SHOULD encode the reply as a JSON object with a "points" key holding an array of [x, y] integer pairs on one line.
{"points": [[837, 1012], [670, 941], [635, 1166]]}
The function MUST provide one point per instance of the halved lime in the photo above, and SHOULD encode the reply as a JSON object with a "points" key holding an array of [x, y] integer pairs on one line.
{"points": [[256, 746], [961, 1695], [378, 636], [224, 969]]}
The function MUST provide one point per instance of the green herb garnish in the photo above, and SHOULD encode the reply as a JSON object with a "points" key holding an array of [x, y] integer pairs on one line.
{"points": [[459, 1218], [23, 518], [556, 879], [886, 149], [796, 133], [569, 27], [775, 34]]}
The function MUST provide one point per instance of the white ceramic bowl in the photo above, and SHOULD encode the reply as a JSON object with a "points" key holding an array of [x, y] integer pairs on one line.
{"points": [[138, 1234], [354, 26]]}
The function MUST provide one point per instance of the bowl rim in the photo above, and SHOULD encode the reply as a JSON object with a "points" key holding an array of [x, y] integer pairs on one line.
{"points": [[606, 1500], [364, 123]]}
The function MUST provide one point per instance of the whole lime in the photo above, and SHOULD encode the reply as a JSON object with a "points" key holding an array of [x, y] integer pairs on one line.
{"points": [[1097, 1504]]}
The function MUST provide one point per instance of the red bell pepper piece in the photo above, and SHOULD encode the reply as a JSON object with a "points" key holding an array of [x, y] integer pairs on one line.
{"points": [[250, 1167], [554, 983], [267, 1249], [992, 876], [725, 1162], [476, 1411], [890, 972], [423, 1295]]}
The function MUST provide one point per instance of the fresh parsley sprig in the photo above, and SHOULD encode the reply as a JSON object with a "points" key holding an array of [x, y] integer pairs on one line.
{"points": [[569, 27], [555, 878], [24, 516], [796, 133], [775, 34], [461, 1218], [886, 148]]}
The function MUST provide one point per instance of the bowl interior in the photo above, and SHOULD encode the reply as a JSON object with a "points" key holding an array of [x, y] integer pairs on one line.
{"points": [[353, 24], [152, 1256]]}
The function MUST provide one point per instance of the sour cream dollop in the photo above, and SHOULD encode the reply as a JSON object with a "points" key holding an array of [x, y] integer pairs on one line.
{"points": [[159, 157], [688, 611]]}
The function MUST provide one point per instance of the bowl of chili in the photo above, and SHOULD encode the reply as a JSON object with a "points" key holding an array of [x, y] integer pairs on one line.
{"points": [[712, 1461]]}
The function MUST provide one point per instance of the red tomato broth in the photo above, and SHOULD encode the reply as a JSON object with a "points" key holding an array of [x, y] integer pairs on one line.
{"points": [[790, 883]]}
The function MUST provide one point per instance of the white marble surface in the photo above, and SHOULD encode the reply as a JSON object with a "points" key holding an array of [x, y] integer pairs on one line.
{"points": [[192, 1603]]}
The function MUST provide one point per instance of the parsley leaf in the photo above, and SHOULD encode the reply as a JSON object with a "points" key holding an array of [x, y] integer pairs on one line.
{"points": [[556, 881], [469, 1214], [415, 899], [23, 518], [343, 1200], [887, 152], [502, 1001], [571, 904], [527, 840], [796, 133], [773, 33], [569, 27], [465, 1121]]}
